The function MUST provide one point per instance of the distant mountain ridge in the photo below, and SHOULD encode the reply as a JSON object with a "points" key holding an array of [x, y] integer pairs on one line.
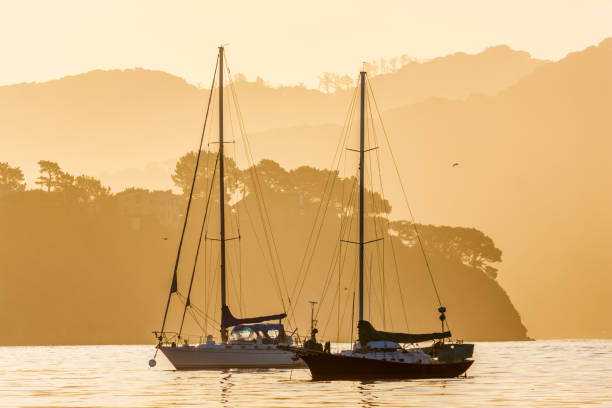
{"points": [[534, 173], [122, 119], [533, 165]]}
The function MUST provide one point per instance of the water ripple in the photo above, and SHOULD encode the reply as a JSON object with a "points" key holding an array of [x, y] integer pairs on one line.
{"points": [[563, 373]]}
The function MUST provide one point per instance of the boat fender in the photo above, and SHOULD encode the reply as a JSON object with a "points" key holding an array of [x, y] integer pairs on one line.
{"points": [[152, 363]]}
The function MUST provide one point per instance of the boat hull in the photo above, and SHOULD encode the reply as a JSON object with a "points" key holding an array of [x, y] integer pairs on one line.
{"points": [[225, 357], [325, 366]]}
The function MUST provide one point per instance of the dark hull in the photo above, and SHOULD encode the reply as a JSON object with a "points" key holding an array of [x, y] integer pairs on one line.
{"points": [[325, 366]]}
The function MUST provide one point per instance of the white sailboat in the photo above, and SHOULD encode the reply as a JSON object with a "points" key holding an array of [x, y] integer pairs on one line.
{"points": [[254, 341]]}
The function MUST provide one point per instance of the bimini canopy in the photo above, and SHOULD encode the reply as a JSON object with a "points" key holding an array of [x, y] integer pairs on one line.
{"points": [[368, 333], [261, 328], [228, 319]]}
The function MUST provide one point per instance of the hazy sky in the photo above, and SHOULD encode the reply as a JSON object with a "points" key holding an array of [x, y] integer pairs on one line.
{"points": [[283, 41]]}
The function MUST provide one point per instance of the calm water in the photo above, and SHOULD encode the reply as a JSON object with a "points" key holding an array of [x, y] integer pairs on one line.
{"points": [[515, 374]]}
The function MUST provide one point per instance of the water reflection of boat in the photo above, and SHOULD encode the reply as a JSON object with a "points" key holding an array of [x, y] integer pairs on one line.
{"points": [[253, 343]]}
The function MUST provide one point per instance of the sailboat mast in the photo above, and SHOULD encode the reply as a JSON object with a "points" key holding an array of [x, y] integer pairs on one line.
{"points": [[222, 191], [362, 75]]}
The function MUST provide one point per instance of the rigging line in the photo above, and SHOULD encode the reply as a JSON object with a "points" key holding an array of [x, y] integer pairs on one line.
{"points": [[258, 240], [346, 216], [232, 277], [352, 285], [217, 294], [194, 317], [267, 230], [174, 285], [233, 209], [203, 313], [343, 229], [259, 195], [249, 155], [272, 248], [208, 266], [380, 259], [211, 299], [345, 304], [338, 317], [341, 141], [325, 208], [382, 267], [239, 243], [336, 257], [265, 218], [195, 262], [406, 200], [347, 223], [370, 290], [274, 277], [386, 216]]}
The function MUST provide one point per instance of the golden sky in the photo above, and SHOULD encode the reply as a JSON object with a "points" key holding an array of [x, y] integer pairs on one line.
{"points": [[285, 42]]}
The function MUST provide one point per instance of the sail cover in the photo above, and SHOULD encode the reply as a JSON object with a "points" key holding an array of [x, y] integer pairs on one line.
{"points": [[228, 319], [368, 333]]}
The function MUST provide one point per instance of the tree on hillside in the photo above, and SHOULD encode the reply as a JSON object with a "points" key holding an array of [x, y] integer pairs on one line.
{"points": [[11, 178], [185, 166], [313, 184], [90, 188], [240, 77], [84, 188], [346, 82], [326, 81], [63, 182], [466, 245], [49, 173]]}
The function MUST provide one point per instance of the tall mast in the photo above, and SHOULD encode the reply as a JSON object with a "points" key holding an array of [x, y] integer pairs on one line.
{"points": [[361, 202], [222, 192]]}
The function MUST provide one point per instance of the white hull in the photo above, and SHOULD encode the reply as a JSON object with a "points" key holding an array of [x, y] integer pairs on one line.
{"points": [[220, 356]]}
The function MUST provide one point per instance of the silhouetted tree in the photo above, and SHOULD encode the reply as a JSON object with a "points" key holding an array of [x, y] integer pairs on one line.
{"points": [[325, 81], [466, 245], [183, 172], [64, 182], [11, 178], [393, 64], [240, 77], [49, 174], [91, 189]]}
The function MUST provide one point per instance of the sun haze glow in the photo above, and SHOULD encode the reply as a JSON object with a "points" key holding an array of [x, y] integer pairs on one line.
{"points": [[283, 42]]}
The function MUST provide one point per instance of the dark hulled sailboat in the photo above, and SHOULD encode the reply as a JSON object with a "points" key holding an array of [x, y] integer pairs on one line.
{"points": [[378, 354]]}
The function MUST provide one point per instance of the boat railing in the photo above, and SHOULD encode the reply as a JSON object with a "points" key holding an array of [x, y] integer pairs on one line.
{"points": [[172, 338]]}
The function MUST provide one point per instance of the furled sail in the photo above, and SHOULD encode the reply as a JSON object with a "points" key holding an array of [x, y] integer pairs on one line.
{"points": [[368, 333], [228, 319]]}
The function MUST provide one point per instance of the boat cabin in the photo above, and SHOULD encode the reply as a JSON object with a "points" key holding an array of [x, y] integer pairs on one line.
{"points": [[266, 333]]}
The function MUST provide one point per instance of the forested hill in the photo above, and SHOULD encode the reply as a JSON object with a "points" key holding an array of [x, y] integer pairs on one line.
{"points": [[82, 266]]}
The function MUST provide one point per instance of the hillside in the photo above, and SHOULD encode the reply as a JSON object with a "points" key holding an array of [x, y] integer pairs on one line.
{"points": [[534, 172], [112, 121], [98, 272], [533, 162]]}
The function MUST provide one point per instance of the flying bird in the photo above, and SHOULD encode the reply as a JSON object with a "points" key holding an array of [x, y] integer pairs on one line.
{"points": [[455, 164]]}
